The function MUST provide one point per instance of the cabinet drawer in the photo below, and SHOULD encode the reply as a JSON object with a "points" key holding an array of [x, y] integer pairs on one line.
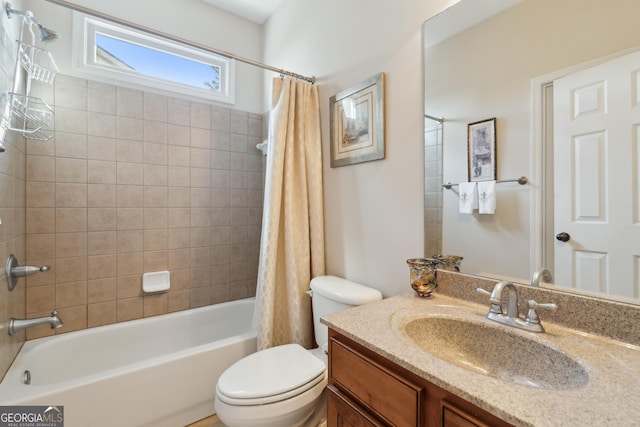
{"points": [[453, 416], [389, 397], [343, 413]]}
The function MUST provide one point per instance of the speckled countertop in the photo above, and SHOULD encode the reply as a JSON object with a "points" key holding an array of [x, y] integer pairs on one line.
{"points": [[610, 397]]}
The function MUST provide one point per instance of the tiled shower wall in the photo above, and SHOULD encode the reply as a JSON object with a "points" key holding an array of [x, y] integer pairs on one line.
{"points": [[135, 182], [433, 188]]}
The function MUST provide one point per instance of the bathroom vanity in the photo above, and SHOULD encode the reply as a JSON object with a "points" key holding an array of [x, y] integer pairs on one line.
{"points": [[410, 361]]}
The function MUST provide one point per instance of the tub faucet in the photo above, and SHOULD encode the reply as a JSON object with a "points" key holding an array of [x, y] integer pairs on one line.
{"points": [[530, 323], [16, 325], [541, 274]]}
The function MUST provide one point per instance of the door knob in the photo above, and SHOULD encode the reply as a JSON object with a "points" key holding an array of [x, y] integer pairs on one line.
{"points": [[563, 237]]}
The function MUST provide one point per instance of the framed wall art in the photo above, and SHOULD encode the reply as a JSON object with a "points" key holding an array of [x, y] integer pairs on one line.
{"points": [[482, 150], [357, 123]]}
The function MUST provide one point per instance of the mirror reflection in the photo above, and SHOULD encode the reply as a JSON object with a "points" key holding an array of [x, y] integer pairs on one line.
{"points": [[546, 70]]}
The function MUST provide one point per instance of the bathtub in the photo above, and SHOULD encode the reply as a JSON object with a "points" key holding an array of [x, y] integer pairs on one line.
{"points": [[158, 371]]}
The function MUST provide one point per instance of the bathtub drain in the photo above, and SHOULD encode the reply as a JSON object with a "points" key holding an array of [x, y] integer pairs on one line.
{"points": [[27, 377]]}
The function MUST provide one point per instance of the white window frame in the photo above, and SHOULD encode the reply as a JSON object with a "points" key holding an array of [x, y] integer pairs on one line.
{"points": [[85, 28]]}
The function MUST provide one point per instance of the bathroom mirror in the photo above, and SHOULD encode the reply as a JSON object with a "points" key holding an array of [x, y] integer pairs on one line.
{"points": [[498, 59]]}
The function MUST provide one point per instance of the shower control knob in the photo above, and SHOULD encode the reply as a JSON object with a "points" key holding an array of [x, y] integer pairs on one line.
{"points": [[563, 237]]}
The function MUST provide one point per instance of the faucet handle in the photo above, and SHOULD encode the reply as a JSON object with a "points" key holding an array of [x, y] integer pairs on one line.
{"points": [[483, 292], [532, 315]]}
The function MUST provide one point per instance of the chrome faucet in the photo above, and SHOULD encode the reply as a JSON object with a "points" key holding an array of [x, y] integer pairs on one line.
{"points": [[541, 274], [530, 323], [17, 325]]}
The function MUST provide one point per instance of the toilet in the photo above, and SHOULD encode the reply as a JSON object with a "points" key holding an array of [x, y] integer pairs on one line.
{"points": [[284, 385]]}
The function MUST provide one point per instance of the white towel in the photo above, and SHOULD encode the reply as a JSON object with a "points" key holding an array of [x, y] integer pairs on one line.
{"points": [[468, 198], [487, 197]]}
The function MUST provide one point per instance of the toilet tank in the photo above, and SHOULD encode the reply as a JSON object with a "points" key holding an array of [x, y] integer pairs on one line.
{"points": [[331, 294]]}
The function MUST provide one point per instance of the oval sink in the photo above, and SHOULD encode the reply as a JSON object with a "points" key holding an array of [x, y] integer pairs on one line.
{"points": [[496, 352]]}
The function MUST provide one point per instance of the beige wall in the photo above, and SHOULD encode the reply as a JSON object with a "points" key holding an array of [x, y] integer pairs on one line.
{"points": [[135, 182], [373, 211]]}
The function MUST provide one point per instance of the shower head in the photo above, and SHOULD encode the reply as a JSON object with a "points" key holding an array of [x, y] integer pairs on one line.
{"points": [[46, 34]]}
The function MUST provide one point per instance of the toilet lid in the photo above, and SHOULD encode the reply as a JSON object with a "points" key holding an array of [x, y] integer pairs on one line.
{"points": [[269, 373]]}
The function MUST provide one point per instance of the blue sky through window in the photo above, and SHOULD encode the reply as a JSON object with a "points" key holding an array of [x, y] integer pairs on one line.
{"points": [[155, 63]]}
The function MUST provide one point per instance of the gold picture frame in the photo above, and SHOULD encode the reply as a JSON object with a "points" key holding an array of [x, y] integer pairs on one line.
{"points": [[357, 123]]}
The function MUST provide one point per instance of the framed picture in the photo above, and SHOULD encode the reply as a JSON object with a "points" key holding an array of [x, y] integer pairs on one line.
{"points": [[357, 123], [482, 150]]}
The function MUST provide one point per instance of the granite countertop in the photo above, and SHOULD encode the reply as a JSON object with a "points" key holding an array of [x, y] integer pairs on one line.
{"points": [[611, 397]]}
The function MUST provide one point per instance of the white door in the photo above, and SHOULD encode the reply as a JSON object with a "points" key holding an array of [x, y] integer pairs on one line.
{"points": [[596, 137]]}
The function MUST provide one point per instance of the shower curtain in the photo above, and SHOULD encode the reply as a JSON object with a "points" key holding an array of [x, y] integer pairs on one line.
{"points": [[292, 243]]}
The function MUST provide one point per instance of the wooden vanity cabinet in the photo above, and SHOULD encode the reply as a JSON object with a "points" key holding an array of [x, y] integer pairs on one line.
{"points": [[367, 390]]}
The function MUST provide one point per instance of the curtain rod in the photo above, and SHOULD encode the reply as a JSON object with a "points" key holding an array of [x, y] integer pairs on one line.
{"points": [[228, 55]]}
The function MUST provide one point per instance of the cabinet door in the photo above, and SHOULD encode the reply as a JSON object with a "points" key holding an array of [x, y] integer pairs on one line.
{"points": [[341, 412], [453, 416]]}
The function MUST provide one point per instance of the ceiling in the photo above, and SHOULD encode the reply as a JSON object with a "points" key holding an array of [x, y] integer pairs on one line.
{"points": [[254, 10]]}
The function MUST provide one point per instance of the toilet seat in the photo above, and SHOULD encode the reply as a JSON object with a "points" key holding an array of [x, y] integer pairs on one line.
{"points": [[270, 375]]}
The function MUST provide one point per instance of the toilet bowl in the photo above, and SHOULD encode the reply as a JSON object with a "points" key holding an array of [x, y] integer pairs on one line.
{"points": [[285, 385]]}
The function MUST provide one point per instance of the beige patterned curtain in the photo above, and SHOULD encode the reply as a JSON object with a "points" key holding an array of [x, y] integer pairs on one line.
{"points": [[292, 245]]}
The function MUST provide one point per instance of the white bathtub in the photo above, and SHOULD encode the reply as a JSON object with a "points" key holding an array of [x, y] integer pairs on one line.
{"points": [[158, 371]]}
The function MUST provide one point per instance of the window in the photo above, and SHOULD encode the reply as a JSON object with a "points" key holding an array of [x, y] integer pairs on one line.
{"points": [[118, 53]]}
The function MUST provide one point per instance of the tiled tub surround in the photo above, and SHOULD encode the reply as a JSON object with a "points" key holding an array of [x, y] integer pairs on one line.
{"points": [[134, 182], [609, 398]]}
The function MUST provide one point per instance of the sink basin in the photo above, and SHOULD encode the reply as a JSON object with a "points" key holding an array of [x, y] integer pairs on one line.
{"points": [[496, 352]]}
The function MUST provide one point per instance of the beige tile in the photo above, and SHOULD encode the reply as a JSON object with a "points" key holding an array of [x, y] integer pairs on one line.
{"points": [[238, 143], [200, 197], [70, 120], [72, 269], [40, 246], [155, 107], [130, 102], [71, 195], [220, 140], [179, 259], [101, 266], [200, 237], [70, 92], [201, 177], [220, 274], [200, 275], [155, 153], [155, 197], [221, 179], [129, 286], [179, 197], [101, 97], [200, 138], [40, 195], [200, 158], [101, 242], [101, 148], [200, 115], [48, 278], [155, 218], [74, 318], [130, 218], [129, 241], [130, 196], [220, 235], [71, 294], [178, 300], [200, 296], [101, 195], [179, 238], [179, 176], [155, 261], [200, 217], [179, 217], [220, 159], [99, 290], [155, 131], [41, 298], [70, 245], [129, 309], [130, 173], [178, 135], [101, 172], [130, 264], [220, 119], [71, 170], [41, 168], [130, 151], [101, 124], [238, 122], [178, 155], [179, 112], [130, 128], [220, 293], [155, 304], [181, 279], [102, 313], [71, 145], [71, 220], [41, 220], [101, 219], [155, 175], [155, 240]]}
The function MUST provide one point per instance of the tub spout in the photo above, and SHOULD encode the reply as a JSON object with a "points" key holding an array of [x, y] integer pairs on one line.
{"points": [[17, 325]]}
